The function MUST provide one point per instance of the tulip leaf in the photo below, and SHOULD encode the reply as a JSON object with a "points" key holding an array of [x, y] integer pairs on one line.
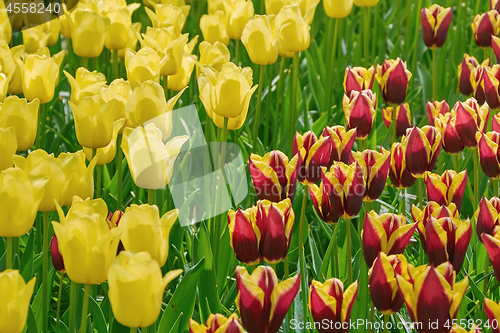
{"points": [[183, 300], [315, 258], [31, 322], [97, 315], [176, 326], [26, 264], [37, 302], [227, 261]]}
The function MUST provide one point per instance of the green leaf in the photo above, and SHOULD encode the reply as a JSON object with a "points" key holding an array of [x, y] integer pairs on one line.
{"points": [[97, 315], [26, 264]]}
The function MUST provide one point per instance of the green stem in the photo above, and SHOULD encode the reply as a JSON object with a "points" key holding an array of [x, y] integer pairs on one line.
{"points": [[281, 82], [45, 291], [295, 73], [133, 330], [301, 254], [366, 37], [349, 255], [415, 39], [393, 127], [262, 72], [9, 257], [41, 126], [237, 51], [486, 280], [495, 187], [476, 177], [440, 163], [114, 68], [420, 193], [403, 203], [273, 266], [164, 83], [434, 76], [372, 312], [455, 161], [268, 103], [72, 307], [85, 62], [387, 318], [119, 162], [58, 312], [329, 88], [335, 258], [99, 181], [85, 308], [151, 197]]}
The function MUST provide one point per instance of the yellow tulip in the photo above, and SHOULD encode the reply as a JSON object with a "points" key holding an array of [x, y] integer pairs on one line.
{"points": [[5, 27], [64, 22], [35, 38], [337, 9], [23, 116], [136, 288], [79, 178], [213, 27], [40, 75], [293, 30], [365, 3], [180, 80], [214, 55], [260, 40], [226, 93], [16, 296], [307, 7], [168, 15], [84, 84], [53, 28], [4, 85], [8, 147], [143, 65], [169, 45], [120, 23], [10, 64], [106, 154], [273, 7], [132, 39], [20, 197], [153, 3], [150, 161], [87, 32], [86, 242], [119, 90], [240, 14], [145, 231]]}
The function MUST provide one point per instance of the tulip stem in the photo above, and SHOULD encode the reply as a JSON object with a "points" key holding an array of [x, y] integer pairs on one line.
{"points": [[114, 68], [164, 82], [295, 73], [151, 197], [403, 202], [133, 330], [301, 254], [9, 257], [45, 285], [119, 161], [85, 307], [335, 258], [85, 62], [476, 178], [486, 279], [279, 89], [41, 129], [495, 187], [72, 307], [349, 254], [329, 92], [387, 318], [415, 39], [262, 72], [99, 181], [434, 76], [366, 19], [455, 162], [237, 51], [58, 312], [420, 193]]}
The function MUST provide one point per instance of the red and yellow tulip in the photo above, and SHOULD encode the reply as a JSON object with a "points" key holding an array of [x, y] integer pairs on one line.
{"points": [[491, 79], [451, 141], [402, 115], [434, 109], [470, 119], [217, 323], [376, 167], [358, 79], [447, 188], [421, 148], [488, 153], [465, 71], [492, 245], [359, 111], [495, 123], [487, 217], [343, 141], [393, 78], [435, 23], [316, 154], [477, 79], [492, 310], [495, 44], [484, 26], [399, 174]]}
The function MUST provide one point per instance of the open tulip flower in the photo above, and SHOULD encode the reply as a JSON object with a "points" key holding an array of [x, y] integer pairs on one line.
{"points": [[261, 40], [433, 209], [376, 167], [464, 73], [447, 188], [35, 38], [432, 295], [106, 154], [5, 25], [492, 310], [492, 245], [322, 203], [402, 115], [262, 301], [214, 55], [489, 153], [421, 148], [85, 84], [120, 22], [393, 78], [8, 147], [387, 233], [343, 141], [180, 80], [384, 289], [217, 323], [314, 154], [446, 125], [330, 302], [434, 109], [358, 79], [487, 217], [359, 112], [484, 26], [293, 29], [239, 12], [169, 15], [11, 67], [213, 27], [274, 177], [470, 119], [262, 232], [16, 296], [399, 174], [88, 32], [143, 65], [132, 39], [435, 23]]}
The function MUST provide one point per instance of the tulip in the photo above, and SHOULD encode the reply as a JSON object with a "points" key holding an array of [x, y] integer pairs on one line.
{"points": [[85, 84], [376, 167], [446, 125], [215, 55], [35, 38], [88, 32], [358, 78], [495, 44], [365, 3], [245, 235], [314, 155], [399, 174], [322, 203], [486, 217], [15, 301], [342, 143], [273, 7], [151, 162], [40, 75], [5, 27], [436, 108], [57, 259], [238, 17], [387, 233], [403, 118], [143, 65], [11, 67], [217, 323], [495, 123], [484, 26], [359, 112], [136, 288], [4, 85], [447, 188], [119, 90], [293, 30], [23, 117], [488, 153], [470, 119], [435, 23], [213, 27], [181, 79], [338, 9], [260, 40], [106, 154], [169, 15], [491, 86], [464, 74], [478, 76], [132, 39], [384, 289], [492, 245], [261, 301], [8, 147], [274, 177], [393, 78], [421, 148], [331, 303], [492, 310], [120, 22], [494, 4], [440, 305]]}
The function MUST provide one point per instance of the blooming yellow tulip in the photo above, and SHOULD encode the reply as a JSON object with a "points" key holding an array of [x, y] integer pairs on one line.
{"points": [[240, 14], [307, 7], [4, 85], [40, 75], [5, 27], [260, 40], [214, 55], [8, 147], [84, 84], [64, 22], [293, 30], [180, 80], [35, 38], [145, 231], [20, 197], [151, 162], [119, 90], [132, 39], [168, 15], [143, 65], [365, 3], [16, 296], [337, 9], [106, 154], [86, 242], [213, 27], [23, 116], [136, 288], [88, 30], [12, 66], [120, 23]]}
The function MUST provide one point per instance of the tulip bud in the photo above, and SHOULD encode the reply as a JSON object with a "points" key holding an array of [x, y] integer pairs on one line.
{"points": [[16, 299], [10, 66], [403, 118], [293, 30], [342, 143], [8, 147], [451, 141], [85, 84], [447, 188], [132, 39], [436, 108], [169, 15], [393, 78], [365, 3], [358, 79], [120, 22], [435, 23], [491, 86], [322, 203], [57, 259], [314, 155], [143, 65], [5, 25], [477, 78], [492, 310], [244, 235], [261, 301], [337, 9], [238, 16], [488, 153], [260, 40], [35, 38], [400, 176], [464, 73], [484, 26], [359, 112], [214, 55], [487, 217], [23, 117], [119, 90], [88, 30], [375, 166], [421, 148], [217, 323], [495, 123], [470, 119], [180, 80], [213, 27], [328, 302], [492, 245]]}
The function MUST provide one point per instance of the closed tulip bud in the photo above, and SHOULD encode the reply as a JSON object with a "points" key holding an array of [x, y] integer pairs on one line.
{"points": [[402, 116], [35, 38], [274, 177], [213, 27], [217, 323], [342, 142], [262, 301], [399, 174], [15, 301], [143, 65], [85, 84], [260, 40], [359, 112], [491, 86], [293, 30], [169, 15], [447, 188], [88, 32], [488, 153], [136, 288], [384, 289], [132, 39], [393, 78], [421, 148], [214, 55], [245, 236], [40, 75], [314, 155], [436, 108], [492, 310], [358, 78], [451, 141], [151, 161], [478, 76], [438, 306], [435, 23], [387, 233], [22, 196], [120, 21], [487, 217], [470, 119], [331, 303], [337, 9], [106, 154], [484, 26], [322, 203], [239, 15], [495, 44], [119, 90], [23, 117], [55, 255], [8, 147], [464, 74], [365, 3], [376, 167]]}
